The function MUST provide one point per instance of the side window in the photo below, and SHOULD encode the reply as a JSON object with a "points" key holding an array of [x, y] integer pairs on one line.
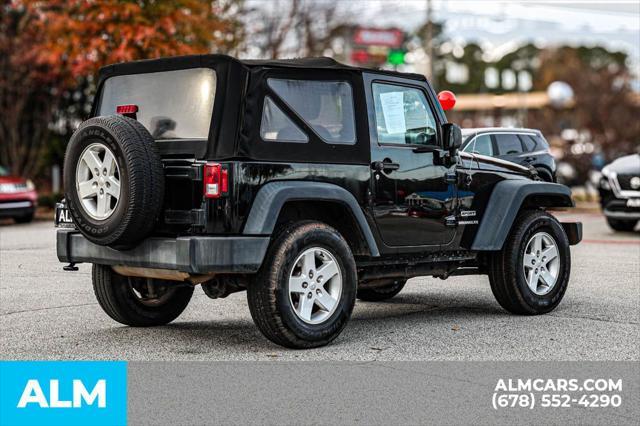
{"points": [[277, 127], [326, 106], [508, 143], [483, 145], [403, 115], [469, 146], [529, 142]]}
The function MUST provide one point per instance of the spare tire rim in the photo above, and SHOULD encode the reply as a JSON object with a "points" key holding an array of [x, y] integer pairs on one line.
{"points": [[541, 263], [98, 181], [315, 285]]}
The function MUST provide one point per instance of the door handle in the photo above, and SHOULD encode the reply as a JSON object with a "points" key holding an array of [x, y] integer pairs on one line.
{"points": [[384, 166]]}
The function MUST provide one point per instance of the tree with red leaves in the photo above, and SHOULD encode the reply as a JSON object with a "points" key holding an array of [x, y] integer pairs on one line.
{"points": [[50, 48]]}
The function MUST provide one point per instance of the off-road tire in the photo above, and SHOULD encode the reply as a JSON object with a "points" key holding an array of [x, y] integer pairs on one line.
{"points": [[141, 181], [378, 294], [268, 295], [118, 300], [622, 225], [507, 276]]}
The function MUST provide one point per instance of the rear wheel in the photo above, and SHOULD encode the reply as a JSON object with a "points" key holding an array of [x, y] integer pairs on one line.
{"points": [[305, 291], [383, 292], [622, 225], [139, 302], [531, 273]]}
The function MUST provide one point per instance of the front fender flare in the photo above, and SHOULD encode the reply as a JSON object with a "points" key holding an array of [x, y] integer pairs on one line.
{"points": [[504, 204], [273, 195]]}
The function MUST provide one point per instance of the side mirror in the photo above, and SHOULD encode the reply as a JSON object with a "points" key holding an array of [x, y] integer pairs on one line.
{"points": [[447, 100], [452, 137]]}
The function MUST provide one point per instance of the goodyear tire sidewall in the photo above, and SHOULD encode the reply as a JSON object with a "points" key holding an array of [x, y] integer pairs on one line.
{"points": [[141, 176]]}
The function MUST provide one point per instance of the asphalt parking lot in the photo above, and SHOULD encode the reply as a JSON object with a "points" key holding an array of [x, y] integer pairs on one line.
{"points": [[46, 313]]}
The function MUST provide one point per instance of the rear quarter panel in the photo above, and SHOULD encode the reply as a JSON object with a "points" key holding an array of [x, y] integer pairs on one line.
{"points": [[248, 177]]}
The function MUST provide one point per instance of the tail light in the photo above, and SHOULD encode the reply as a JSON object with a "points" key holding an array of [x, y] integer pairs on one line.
{"points": [[127, 110], [216, 180]]}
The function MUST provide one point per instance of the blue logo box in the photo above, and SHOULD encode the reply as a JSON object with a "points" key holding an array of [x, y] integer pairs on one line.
{"points": [[61, 393]]}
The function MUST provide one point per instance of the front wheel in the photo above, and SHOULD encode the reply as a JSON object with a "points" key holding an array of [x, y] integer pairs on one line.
{"points": [[139, 302], [531, 273], [305, 291]]}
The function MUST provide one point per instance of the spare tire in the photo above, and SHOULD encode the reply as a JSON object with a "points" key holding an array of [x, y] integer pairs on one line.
{"points": [[114, 182]]}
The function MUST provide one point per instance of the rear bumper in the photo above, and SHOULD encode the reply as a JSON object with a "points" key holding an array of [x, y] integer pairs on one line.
{"points": [[194, 255]]}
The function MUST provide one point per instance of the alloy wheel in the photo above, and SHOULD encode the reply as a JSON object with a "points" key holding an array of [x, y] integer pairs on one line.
{"points": [[541, 263], [315, 285], [98, 181]]}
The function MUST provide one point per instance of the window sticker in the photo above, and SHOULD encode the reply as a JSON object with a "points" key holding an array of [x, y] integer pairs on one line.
{"points": [[393, 110]]}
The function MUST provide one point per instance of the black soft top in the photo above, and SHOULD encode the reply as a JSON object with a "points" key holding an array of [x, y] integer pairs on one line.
{"points": [[240, 95], [210, 59]]}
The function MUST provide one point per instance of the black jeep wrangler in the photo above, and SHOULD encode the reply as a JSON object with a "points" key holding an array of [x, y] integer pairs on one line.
{"points": [[306, 183]]}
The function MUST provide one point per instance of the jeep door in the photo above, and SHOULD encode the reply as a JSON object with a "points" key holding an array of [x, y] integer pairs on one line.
{"points": [[411, 198]]}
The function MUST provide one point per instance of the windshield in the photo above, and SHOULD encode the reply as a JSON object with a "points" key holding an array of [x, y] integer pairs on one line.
{"points": [[171, 104]]}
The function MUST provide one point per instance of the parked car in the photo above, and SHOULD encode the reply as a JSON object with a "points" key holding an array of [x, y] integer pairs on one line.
{"points": [[526, 147], [306, 183], [18, 197], [619, 189]]}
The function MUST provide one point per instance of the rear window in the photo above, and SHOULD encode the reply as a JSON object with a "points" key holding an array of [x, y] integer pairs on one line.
{"points": [[171, 104], [534, 143], [529, 142]]}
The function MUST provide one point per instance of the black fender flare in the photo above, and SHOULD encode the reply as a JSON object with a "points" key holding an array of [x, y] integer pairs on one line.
{"points": [[504, 204], [273, 195]]}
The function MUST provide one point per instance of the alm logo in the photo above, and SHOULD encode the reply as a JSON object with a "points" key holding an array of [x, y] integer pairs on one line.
{"points": [[33, 394], [63, 393]]}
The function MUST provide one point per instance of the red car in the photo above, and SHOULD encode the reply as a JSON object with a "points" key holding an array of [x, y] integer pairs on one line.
{"points": [[18, 197]]}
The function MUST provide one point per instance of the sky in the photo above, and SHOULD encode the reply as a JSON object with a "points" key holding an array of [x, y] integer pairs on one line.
{"points": [[504, 24], [603, 16]]}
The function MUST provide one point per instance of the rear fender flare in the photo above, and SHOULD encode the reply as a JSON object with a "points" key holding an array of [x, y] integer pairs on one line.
{"points": [[272, 196], [506, 200]]}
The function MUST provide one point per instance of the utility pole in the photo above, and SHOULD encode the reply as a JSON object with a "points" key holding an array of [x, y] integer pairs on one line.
{"points": [[428, 41]]}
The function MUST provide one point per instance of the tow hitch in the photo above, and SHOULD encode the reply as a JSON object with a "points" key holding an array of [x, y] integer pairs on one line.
{"points": [[70, 267]]}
